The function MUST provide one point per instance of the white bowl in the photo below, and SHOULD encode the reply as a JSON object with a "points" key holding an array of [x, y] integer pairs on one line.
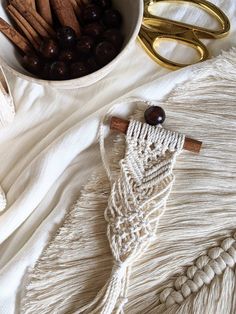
{"points": [[132, 12]]}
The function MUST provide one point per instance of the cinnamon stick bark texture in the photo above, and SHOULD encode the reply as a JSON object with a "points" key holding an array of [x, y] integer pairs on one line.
{"points": [[66, 15], [121, 125], [23, 25], [21, 42], [44, 9], [30, 3], [35, 20], [76, 7]]}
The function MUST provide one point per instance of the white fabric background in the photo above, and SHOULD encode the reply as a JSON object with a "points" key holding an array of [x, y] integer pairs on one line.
{"points": [[50, 150]]}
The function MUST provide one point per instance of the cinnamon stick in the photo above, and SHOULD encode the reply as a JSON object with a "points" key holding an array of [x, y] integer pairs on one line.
{"points": [[121, 125], [35, 20], [30, 3], [21, 42], [24, 26], [66, 15], [76, 7], [44, 10]]}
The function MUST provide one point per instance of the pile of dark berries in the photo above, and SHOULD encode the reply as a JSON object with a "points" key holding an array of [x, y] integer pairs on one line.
{"points": [[68, 57]]}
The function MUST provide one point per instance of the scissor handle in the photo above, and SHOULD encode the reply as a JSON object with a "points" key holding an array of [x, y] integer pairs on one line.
{"points": [[149, 42], [200, 31]]}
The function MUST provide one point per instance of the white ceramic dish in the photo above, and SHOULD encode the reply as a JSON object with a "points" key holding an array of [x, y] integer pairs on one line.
{"points": [[132, 12]]}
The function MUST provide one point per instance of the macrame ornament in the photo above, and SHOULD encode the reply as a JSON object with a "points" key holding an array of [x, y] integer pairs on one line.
{"points": [[136, 203]]}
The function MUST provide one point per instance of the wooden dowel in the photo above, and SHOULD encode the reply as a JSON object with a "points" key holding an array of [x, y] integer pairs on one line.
{"points": [[122, 125]]}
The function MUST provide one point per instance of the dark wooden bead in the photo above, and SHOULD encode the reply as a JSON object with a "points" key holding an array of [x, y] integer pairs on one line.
{"points": [[94, 30], [104, 53], [32, 63], [49, 49], [85, 45], [66, 37], [103, 3], [112, 18], [154, 115], [68, 55], [91, 13], [78, 69], [59, 71]]}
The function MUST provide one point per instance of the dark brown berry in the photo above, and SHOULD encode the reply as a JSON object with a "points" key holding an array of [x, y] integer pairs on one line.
{"points": [[94, 30], [78, 69], [46, 71], [105, 4], [32, 63], [92, 65], [91, 13], [105, 52], [112, 18], [59, 70], [85, 45], [114, 36], [66, 37], [68, 55], [154, 115], [49, 49]]}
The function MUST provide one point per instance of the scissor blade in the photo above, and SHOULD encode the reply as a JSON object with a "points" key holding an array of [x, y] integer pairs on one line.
{"points": [[164, 26]]}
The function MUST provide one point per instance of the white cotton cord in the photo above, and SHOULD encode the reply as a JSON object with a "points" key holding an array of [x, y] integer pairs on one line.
{"points": [[124, 294], [3, 201], [7, 109], [102, 148]]}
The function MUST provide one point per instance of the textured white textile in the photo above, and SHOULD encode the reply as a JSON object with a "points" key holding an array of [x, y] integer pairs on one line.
{"points": [[47, 154]]}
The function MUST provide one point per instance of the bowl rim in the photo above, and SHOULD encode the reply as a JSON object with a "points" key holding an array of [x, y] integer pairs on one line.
{"points": [[102, 72]]}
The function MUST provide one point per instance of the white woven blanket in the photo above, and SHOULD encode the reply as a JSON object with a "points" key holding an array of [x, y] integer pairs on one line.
{"points": [[190, 265]]}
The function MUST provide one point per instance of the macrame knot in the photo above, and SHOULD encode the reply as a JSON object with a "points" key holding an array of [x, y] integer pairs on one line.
{"points": [[119, 267], [171, 297], [155, 138], [202, 273]]}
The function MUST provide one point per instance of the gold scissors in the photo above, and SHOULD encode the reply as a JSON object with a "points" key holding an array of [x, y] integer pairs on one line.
{"points": [[155, 29]]}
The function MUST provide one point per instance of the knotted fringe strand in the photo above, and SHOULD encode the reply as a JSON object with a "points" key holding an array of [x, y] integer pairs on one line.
{"points": [[106, 300]]}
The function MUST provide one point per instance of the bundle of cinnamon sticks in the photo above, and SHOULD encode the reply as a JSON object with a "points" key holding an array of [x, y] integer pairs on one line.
{"points": [[34, 20]]}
